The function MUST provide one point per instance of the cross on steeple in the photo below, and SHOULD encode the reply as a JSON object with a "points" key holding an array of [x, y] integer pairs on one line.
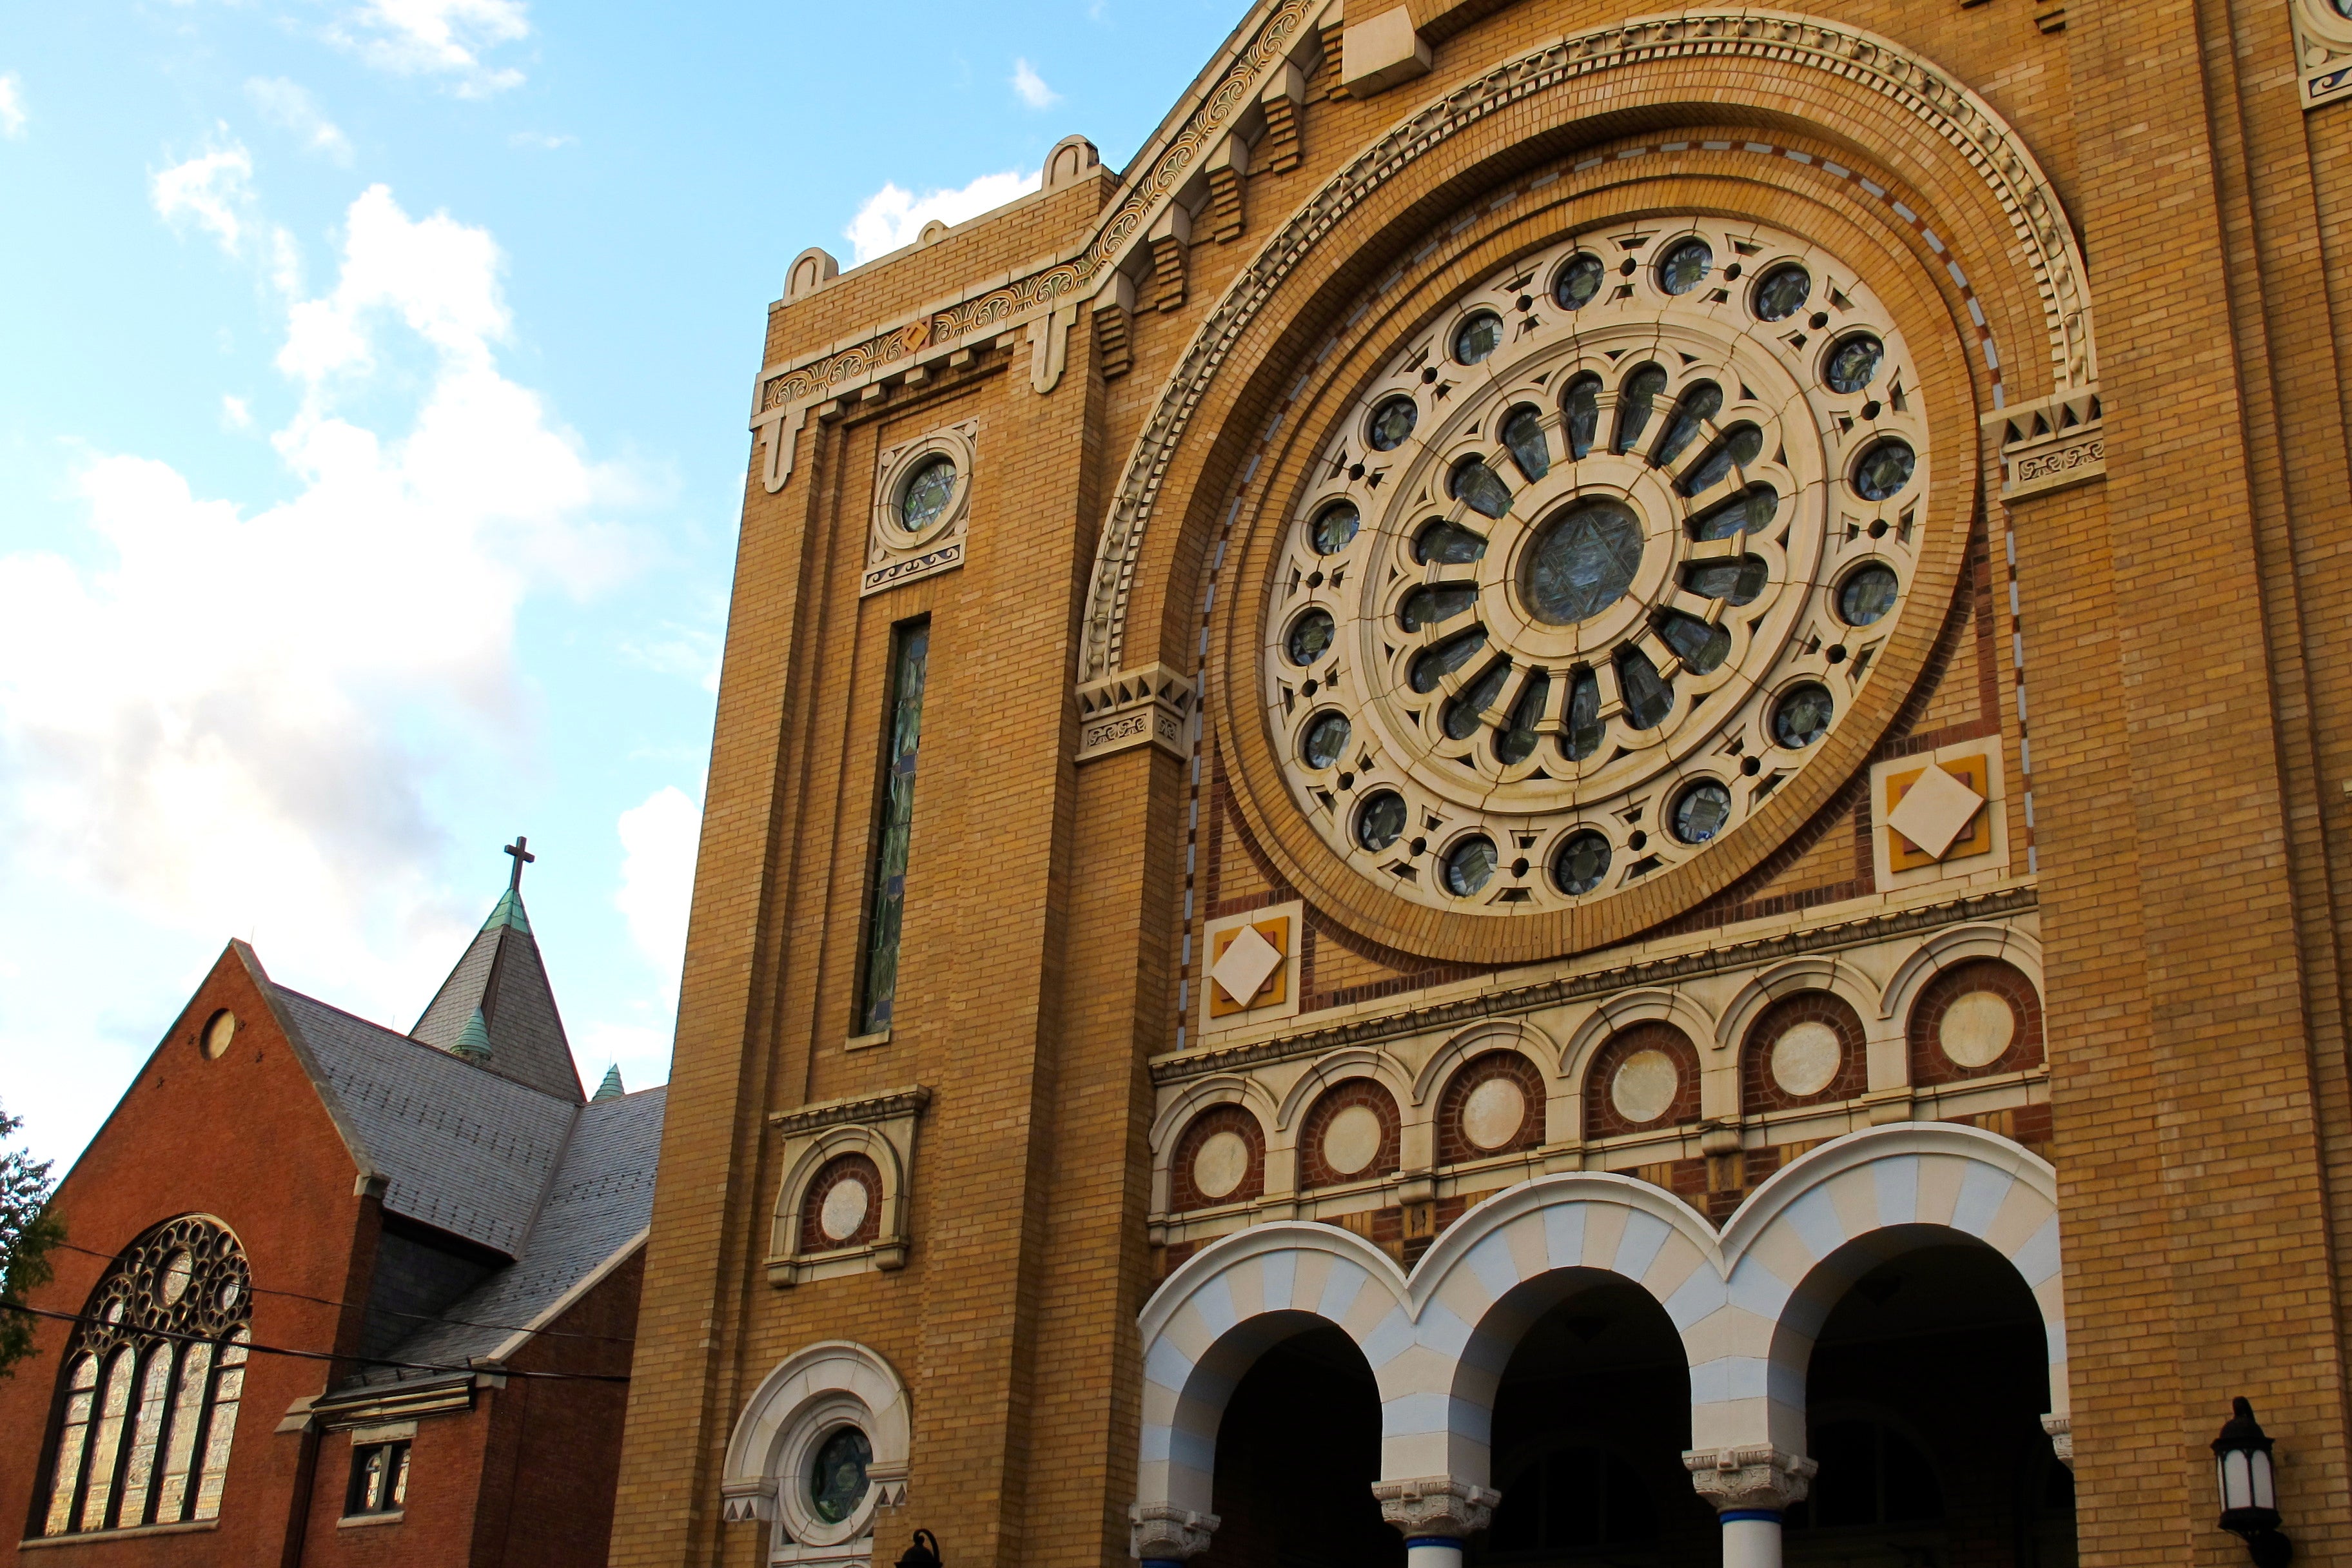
{"points": [[522, 857]]}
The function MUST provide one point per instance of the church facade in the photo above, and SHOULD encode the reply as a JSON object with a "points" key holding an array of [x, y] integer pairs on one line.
{"points": [[1476, 822]]}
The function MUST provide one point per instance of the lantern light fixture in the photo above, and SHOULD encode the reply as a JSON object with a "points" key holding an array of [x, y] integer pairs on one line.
{"points": [[923, 1553], [2241, 1463]]}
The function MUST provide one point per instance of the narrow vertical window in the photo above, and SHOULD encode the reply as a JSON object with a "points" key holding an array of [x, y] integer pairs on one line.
{"points": [[902, 729]]}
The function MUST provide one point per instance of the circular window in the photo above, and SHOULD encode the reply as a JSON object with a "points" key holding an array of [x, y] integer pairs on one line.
{"points": [[836, 1479], [1222, 1164], [1493, 1113], [178, 1269], [1803, 715], [1806, 1059], [929, 489], [1643, 1089], [1335, 526], [1581, 863], [1478, 336], [1685, 266], [1310, 636], [1326, 739], [1976, 1029], [1883, 471], [845, 1208], [1852, 363], [1701, 810], [1352, 1140], [1392, 422], [1582, 561], [1575, 285], [219, 1030], [1469, 866], [1867, 596], [1379, 821], [1782, 293]]}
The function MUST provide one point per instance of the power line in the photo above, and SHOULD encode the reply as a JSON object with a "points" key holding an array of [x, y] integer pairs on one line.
{"points": [[319, 1355]]}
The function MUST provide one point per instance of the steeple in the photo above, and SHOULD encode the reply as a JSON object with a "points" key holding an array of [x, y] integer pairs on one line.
{"points": [[611, 1087], [496, 1009]]}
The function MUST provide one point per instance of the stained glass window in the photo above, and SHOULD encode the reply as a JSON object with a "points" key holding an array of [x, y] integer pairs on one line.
{"points": [[903, 731], [1578, 281], [379, 1479], [1783, 292], [1478, 336], [836, 1480]]}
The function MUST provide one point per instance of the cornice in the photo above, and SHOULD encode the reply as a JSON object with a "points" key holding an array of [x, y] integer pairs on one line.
{"points": [[865, 1108]]}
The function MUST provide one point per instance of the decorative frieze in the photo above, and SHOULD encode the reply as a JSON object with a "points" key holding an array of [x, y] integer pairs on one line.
{"points": [[2323, 51], [1133, 708], [2050, 444]]}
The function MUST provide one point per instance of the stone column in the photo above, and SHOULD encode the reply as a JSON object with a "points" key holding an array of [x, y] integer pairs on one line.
{"points": [[1434, 1513], [1165, 1536], [1749, 1488]]}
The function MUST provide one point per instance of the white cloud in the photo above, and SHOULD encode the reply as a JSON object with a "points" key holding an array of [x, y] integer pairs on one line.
{"points": [[228, 717], [1030, 88], [290, 108], [215, 188], [540, 141], [892, 217], [657, 843], [438, 38], [235, 412], [12, 106]]}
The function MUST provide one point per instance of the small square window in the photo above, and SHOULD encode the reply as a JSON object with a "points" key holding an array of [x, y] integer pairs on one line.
{"points": [[379, 1479]]}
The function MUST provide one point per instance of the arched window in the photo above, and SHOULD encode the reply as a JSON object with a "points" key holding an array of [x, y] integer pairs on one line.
{"points": [[147, 1403]]}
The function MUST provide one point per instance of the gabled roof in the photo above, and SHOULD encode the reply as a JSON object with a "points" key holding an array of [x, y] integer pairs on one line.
{"points": [[501, 979]]}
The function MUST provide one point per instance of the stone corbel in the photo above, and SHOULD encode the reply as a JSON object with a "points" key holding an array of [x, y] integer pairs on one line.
{"points": [[1049, 346], [1436, 1505], [1283, 100], [1740, 1480], [1171, 237], [1114, 311], [1382, 51], [2061, 1429], [1150, 706], [1226, 167], [1159, 1533], [2050, 444], [780, 429], [740, 1502]]}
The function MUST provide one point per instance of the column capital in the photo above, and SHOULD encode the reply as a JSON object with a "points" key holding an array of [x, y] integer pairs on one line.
{"points": [[1161, 1532], [2061, 1429], [1436, 1505], [1759, 1477]]}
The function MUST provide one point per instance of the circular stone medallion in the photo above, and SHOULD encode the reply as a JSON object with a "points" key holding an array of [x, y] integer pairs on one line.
{"points": [[1806, 1058], [1494, 1113], [1644, 1086], [1221, 1164], [1352, 1140], [1977, 1029], [844, 1209]]}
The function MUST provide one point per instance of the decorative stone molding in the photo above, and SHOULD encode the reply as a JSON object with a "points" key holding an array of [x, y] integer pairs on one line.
{"points": [[879, 1126], [1158, 1533], [1149, 706], [1072, 160], [2323, 51], [1264, 961], [896, 553], [1380, 52], [2050, 444], [2061, 1429], [811, 271], [1758, 1477], [1991, 147], [808, 1398], [742, 1503], [1436, 1505]]}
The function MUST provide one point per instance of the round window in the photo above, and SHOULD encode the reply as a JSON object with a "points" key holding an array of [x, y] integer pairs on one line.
{"points": [[1478, 336], [219, 1030], [1392, 422], [1578, 283], [1701, 812], [1783, 292], [1581, 863], [836, 1479], [1582, 562], [1803, 715], [1381, 821], [1685, 266], [1326, 740], [929, 490], [1852, 363], [1310, 636], [1883, 471], [1469, 866]]}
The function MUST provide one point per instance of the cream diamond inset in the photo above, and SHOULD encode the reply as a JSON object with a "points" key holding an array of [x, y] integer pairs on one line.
{"points": [[1245, 965], [1934, 811]]}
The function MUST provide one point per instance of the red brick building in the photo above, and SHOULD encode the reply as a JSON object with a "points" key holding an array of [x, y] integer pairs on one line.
{"points": [[335, 1294]]}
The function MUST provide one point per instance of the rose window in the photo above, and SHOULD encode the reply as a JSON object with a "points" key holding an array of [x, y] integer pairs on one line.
{"points": [[1594, 565]]}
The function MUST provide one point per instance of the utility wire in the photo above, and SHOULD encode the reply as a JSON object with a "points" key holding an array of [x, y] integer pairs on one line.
{"points": [[319, 1356]]}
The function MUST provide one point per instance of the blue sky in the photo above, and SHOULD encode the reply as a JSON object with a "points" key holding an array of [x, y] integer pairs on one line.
{"points": [[371, 451]]}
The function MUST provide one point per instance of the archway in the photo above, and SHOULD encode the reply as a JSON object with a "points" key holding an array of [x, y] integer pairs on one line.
{"points": [[1297, 1451]]}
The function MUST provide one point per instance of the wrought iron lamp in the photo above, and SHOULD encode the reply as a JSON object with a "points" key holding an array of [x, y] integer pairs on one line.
{"points": [[923, 1553], [2242, 1462]]}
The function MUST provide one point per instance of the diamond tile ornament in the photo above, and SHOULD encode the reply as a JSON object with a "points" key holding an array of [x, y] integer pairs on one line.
{"points": [[1245, 965], [1934, 811]]}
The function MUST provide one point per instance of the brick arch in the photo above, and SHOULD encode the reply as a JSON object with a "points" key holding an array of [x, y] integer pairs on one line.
{"points": [[1601, 1116], [1313, 1170], [1183, 1195], [1760, 1091], [1922, 1028], [855, 1166]]}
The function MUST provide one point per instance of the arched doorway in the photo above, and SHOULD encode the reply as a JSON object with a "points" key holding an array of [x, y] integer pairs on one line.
{"points": [[1591, 1422], [1924, 1396], [1297, 1450]]}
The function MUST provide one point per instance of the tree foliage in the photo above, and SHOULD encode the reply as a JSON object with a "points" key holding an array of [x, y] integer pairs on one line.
{"points": [[28, 1229]]}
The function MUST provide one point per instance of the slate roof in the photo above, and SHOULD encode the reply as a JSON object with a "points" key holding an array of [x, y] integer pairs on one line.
{"points": [[502, 977]]}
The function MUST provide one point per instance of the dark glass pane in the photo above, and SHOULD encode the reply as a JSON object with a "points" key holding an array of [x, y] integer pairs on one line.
{"points": [[1449, 543], [1478, 336], [1310, 636], [837, 1475], [1883, 470], [1581, 863], [1584, 727], [1751, 509], [1803, 716], [1516, 742], [1696, 407], [1578, 283], [1912, 1493], [1334, 527], [1685, 266], [1582, 562], [1867, 596], [1469, 866], [1523, 434], [1737, 581], [1380, 822], [1462, 714], [927, 493], [1852, 363], [1648, 699], [1783, 292], [1701, 810], [1641, 390], [1432, 606], [1703, 646], [1429, 671], [1479, 485], [1326, 740], [1392, 422], [888, 886], [1583, 404], [1737, 448]]}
